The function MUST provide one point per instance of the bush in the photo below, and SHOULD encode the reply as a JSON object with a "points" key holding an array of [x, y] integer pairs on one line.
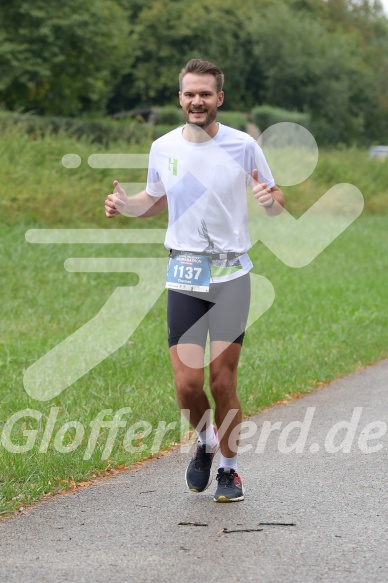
{"points": [[161, 129], [234, 119], [265, 116], [167, 115], [341, 133], [102, 131]]}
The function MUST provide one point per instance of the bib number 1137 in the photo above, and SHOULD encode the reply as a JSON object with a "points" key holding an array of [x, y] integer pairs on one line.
{"points": [[188, 272]]}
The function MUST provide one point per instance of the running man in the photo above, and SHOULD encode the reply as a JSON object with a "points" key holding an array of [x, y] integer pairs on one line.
{"points": [[201, 172]]}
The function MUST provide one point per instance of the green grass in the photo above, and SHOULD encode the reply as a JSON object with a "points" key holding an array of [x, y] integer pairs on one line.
{"points": [[37, 190], [328, 318]]}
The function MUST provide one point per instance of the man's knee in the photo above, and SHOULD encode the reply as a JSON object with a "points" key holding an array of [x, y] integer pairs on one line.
{"points": [[189, 386], [223, 385]]}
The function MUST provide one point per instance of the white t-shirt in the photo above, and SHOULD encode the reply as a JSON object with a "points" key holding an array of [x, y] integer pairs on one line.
{"points": [[206, 187]]}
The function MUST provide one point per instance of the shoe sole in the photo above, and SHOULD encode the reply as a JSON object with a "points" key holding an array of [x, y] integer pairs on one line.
{"points": [[225, 499]]}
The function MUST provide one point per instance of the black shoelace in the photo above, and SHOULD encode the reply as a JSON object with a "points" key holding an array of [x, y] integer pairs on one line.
{"points": [[225, 478]]}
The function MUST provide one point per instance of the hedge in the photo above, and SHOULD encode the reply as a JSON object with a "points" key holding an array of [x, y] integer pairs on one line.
{"points": [[265, 116], [102, 131]]}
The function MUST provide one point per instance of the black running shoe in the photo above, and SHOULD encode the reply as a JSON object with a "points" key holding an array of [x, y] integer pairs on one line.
{"points": [[198, 474], [230, 488]]}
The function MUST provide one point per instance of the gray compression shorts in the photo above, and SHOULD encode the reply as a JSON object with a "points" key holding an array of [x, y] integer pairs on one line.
{"points": [[222, 313]]}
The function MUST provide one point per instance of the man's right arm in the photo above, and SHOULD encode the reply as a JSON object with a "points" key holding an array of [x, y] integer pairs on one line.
{"points": [[139, 205]]}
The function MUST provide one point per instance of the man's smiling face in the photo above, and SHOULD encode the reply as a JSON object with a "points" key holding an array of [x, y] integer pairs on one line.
{"points": [[199, 99]]}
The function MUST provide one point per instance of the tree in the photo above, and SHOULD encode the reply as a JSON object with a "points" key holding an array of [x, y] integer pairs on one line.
{"points": [[328, 58], [310, 68], [166, 34], [60, 56]]}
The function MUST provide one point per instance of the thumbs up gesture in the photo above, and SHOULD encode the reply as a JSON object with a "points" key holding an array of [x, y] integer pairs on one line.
{"points": [[261, 192], [115, 203]]}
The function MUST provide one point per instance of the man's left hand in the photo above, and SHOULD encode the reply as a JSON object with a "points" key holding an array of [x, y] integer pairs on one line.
{"points": [[260, 191]]}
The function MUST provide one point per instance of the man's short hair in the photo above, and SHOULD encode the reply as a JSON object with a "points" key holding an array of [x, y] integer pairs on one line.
{"points": [[200, 67]]}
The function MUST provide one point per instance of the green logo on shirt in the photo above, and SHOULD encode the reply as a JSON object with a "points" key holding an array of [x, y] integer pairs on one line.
{"points": [[173, 165]]}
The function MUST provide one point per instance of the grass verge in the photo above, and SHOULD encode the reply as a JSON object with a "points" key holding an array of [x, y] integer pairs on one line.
{"points": [[327, 320]]}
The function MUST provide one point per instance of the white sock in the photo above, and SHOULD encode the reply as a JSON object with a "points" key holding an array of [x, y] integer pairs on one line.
{"points": [[228, 462], [208, 436]]}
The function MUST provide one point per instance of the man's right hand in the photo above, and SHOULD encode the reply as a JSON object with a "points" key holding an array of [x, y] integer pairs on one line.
{"points": [[115, 202]]}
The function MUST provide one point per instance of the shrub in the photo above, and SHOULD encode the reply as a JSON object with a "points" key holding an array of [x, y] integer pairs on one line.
{"points": [[161, 129], [102, 131], [265, 116], [167, 115], [234, 119]]}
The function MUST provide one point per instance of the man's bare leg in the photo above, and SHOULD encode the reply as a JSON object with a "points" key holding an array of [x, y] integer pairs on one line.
{"points": [[189, 383], [223, 385], [192, 399]]}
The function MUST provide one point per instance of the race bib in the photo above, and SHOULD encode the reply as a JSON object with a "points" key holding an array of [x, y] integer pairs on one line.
{"points": [[188, 271]]}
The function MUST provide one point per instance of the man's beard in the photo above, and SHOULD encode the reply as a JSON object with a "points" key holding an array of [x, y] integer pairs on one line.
{"points": [[210, 117]]}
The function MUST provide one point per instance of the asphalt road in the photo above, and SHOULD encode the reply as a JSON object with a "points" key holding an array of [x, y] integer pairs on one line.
{"points": [[311, 514]]}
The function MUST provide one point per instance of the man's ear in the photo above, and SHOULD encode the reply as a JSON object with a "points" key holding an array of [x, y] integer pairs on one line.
{"points": [[220, 98]]}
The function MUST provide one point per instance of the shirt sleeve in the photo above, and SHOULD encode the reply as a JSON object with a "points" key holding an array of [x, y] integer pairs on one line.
{"points": [[155, 185], [256, 159]]}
